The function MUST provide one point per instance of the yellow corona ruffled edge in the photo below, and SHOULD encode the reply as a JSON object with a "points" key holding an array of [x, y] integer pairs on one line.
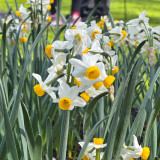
{"points": [[98, 141], [65, 103], [92, 73]]}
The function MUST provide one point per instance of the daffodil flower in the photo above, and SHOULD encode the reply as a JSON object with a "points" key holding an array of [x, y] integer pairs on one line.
{"points": [[93, 30], [88, 70], [118, 34], [51, 50], [79, 35], [135, 34], [79, 38], [57, 67], [114, 59], [68, 97], [23, 11], [135, 151], [140, 21], [90, 152], [88, 67], [42, 87]]}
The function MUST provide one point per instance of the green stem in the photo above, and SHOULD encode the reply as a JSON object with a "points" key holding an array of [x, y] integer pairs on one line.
{"points": [[97, 154], [101, 116], [130, 148], [64, 135], [59, 2], [154, 129]]}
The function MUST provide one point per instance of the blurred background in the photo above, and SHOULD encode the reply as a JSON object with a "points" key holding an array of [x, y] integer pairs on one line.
{"points": [[120, 9]]}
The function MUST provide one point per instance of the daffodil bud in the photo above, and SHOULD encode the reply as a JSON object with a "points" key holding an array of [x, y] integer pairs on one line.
{"points": [[111, 93], [151, 52]]}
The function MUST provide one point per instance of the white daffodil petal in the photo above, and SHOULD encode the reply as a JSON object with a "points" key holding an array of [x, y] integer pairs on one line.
{"points": [[78, 101]]}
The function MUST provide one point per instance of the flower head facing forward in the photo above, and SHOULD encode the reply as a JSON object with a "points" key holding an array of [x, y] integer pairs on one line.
{"points": [[68, 97], [93, 30], [65, 103], [87, 67]]}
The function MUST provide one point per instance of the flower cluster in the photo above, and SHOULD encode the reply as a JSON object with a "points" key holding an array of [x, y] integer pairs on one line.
{"points": [[38, 12], [38, 6], [14, 21], [92, 148], [139, 30], [87, 61]]}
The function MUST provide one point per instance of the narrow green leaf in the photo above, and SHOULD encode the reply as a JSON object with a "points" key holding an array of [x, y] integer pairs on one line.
{"points": [[126, 109], [111, 20], [49, 140], [142, 107], [3, 73], [37, 149], [58, 10], [75, 131], [137, 127], [10, 141], [117, 102], [3, 45], [9, 8], [112, 135], [18, 97], [89, 110], [136, 52], [58, 33], [23, 135], [152, 118], [64, 135], [14, 54], [29, 131], [101, 116], [49, 130], [16, 4]]}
